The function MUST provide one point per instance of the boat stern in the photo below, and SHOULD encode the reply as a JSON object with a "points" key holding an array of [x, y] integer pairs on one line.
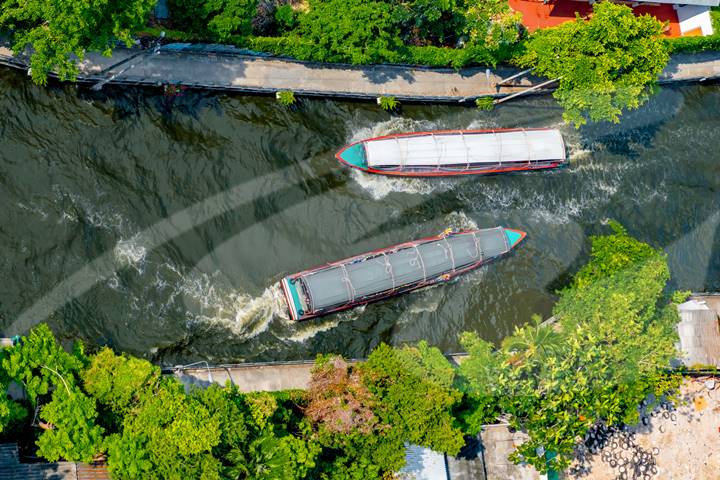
{"points": [[292, 297], [353, 155], [514, 237]]}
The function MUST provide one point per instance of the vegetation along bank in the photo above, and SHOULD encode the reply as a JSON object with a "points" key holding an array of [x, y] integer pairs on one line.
{"points": [[603, 65], [608, 350]]}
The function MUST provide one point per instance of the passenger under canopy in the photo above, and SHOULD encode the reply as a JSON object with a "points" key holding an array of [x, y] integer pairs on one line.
{"points": [[465, 149], [408, 265]]}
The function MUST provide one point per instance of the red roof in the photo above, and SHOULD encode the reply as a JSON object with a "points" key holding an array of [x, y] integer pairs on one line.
{"points": [[537, 14]]}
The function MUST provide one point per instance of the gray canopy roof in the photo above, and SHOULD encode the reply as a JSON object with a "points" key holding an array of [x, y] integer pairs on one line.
{"points": [[345, 283]]}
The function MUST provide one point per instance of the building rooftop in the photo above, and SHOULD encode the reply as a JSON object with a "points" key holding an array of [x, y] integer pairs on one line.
{"points": [[537, 14]]}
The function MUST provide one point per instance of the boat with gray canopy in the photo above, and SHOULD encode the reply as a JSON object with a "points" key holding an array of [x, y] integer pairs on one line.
{"points": [[394, 270]]}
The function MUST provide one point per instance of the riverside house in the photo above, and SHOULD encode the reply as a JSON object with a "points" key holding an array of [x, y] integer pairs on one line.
{"points": [[683, 19]]}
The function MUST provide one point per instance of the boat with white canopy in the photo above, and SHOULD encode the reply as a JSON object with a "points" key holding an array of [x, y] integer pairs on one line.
{"points": [[393, 270], [457, 152]]}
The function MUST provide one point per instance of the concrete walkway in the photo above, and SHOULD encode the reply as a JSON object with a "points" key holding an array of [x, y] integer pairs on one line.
{"points": [[223, 68]]}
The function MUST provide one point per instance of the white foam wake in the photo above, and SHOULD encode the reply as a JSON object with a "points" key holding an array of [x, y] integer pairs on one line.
{"points": [[379, 186], [214, 305], [130, 253]]}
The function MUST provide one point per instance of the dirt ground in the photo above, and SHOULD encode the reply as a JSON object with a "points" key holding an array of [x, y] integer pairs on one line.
{"points": [[670, 443]]}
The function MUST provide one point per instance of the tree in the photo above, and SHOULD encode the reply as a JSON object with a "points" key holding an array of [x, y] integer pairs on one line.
{"points": [[230, 17], [10, 411], [533, 340], [355, 31], [39, 362], [60, 31], [118, 381], [605, 65], [275, 441], [169, 435], [615, 340], [492, 23], [71, 432], [412, 388], [429, 21]]}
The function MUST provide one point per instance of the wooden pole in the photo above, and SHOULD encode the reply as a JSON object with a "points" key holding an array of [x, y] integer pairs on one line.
{"points": [[513, 77], [527, 90]]}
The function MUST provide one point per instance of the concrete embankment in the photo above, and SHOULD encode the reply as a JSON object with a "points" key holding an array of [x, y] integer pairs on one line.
{"points": [[223, 68], [253, 377]]}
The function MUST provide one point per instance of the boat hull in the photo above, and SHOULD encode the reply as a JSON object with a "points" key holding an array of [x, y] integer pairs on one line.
{"points": [[289, 283], [345, 157]]}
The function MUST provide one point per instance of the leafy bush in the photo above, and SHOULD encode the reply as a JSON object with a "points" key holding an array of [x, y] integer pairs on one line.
{"points": [[230, 17], [485, 103], [168, 435], [388, 103], [612, 254], [694, 44], [492, 24], [71, 432], [354, 31], [285, 18], [38, 363], [286, 97], [118, 381], [190, 16]]}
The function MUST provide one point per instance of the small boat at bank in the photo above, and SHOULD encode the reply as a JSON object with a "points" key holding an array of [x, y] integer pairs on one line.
{"points": [[457, 152], [393, 270]]}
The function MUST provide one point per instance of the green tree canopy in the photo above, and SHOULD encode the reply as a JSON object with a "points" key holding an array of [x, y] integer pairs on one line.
{"points": [[118, 381], [355, 31], [606, 64], [169, 435], [71, 432], [61, 31], [411, 385], [38, 362], [613, 340]]}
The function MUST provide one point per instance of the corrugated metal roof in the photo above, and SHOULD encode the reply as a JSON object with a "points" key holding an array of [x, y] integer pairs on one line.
{"points": [[423, 464]]}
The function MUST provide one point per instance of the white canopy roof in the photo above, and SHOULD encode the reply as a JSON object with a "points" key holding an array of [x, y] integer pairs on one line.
{"points": [[465, 148]]}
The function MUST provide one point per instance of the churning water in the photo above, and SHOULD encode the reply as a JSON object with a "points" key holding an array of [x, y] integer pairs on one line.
{"points": [[161, 226]]}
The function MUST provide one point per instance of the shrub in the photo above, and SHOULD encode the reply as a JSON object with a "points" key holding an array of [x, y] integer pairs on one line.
{"points": [[285, 18], [263, 23], [485, 103], [355, 31], [230, 17], [694, 44], [190, 16], [388, 103], [286, 97]]}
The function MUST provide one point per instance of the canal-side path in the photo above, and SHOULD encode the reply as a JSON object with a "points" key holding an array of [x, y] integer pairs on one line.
{"points": [[225, 68]]}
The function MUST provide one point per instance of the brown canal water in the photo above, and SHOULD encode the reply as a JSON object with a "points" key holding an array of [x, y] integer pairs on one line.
{"points": [[161, 225]]}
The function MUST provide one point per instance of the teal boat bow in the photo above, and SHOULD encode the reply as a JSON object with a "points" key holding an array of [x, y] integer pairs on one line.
{"points": [[354, 155]]}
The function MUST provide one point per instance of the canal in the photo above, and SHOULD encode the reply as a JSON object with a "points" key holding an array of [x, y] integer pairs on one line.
{"points": [[160, 224]]}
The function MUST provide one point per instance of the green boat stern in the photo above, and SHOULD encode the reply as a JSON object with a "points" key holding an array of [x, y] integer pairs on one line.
{"points": [[354, 155]]}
